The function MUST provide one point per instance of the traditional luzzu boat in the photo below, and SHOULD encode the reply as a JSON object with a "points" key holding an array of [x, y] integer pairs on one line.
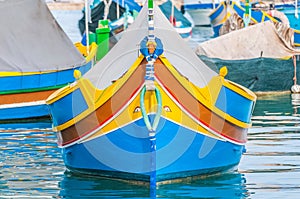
{"points": [[200, 10], [259, 51], [37, 58], [151, 116], [181, 24], [260, 57], [223, 12]]}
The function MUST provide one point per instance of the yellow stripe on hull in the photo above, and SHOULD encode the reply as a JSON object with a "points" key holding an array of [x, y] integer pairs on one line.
{"points": [[95, 97], [175, 110], [171, 112], [209, 94], [92, 54]]}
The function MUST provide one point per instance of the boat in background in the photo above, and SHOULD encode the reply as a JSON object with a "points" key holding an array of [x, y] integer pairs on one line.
{"points": [[232, 14], [153, 114], [200, 10], [289, 9], [37, 58], [181, 24], [119, 13], [127, 14], [260, 57]]}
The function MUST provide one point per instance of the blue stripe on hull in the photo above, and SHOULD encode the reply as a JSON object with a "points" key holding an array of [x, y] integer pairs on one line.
{"points": [[216, 30], [39, 81], [297, 38], [200, 6], [180, 153], [216, 13], [24, 112], [290, 14], [234, 104], [71, 109]]}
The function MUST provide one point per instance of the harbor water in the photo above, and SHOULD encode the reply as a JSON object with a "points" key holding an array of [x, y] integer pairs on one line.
{"points": [[31, 165]]}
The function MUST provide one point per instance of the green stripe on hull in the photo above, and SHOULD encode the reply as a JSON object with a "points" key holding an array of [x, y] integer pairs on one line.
{"points": [[32, 90]]}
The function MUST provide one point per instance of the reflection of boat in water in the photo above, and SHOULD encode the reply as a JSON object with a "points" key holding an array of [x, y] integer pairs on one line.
{"points": [[282, 113], [280, 104], [231, 185], [226, 185], [295, 100], [78, 186]]}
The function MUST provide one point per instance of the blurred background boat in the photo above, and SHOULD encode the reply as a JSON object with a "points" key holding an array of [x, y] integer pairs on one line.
{"points": [[37, 58], [260, 57], [233, 16], [121, 15], [200, 10]]}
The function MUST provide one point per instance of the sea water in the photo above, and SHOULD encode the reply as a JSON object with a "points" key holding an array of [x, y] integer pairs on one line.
{"points": [[31, 165]]}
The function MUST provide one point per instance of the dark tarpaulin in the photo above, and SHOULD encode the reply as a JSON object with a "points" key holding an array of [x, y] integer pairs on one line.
{"points": [[98, 13]]}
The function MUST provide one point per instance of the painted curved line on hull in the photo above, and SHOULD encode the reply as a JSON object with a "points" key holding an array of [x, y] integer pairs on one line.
{"points": [[202, 114], [171, 149], [209, 120], [105, 112], [99, 126], [172, 112], [198, 121], [172, 154]]}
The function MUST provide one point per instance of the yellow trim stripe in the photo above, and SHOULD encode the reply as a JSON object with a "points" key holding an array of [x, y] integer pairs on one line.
{"points": [[10, 74], [109, 92], [93, 51], [87, 88], [208, 98], [173, 114]]}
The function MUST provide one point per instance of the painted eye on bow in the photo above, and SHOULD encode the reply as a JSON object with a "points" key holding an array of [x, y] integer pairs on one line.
{"points": [[137, 109], [167, 109]]}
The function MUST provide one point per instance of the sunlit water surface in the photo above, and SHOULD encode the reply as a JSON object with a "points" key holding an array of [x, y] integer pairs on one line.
{"points": [[31, 165]]}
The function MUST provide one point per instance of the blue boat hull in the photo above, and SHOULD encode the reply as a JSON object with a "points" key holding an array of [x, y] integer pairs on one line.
{"points": [[21, 83], [23, 112], [126, 153], [31, 86]]}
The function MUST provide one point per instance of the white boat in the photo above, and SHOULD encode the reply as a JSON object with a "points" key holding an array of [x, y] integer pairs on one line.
{"points": [[200, 10]]}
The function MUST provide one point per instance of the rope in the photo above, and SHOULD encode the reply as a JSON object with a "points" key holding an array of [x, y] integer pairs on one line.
{"points": [[106, 8], [150, 86], [151, 127], [295, 70], [152, 135]]}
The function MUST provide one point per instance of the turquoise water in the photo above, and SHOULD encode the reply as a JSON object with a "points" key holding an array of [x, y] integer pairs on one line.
{"points": [[31, 165]]}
